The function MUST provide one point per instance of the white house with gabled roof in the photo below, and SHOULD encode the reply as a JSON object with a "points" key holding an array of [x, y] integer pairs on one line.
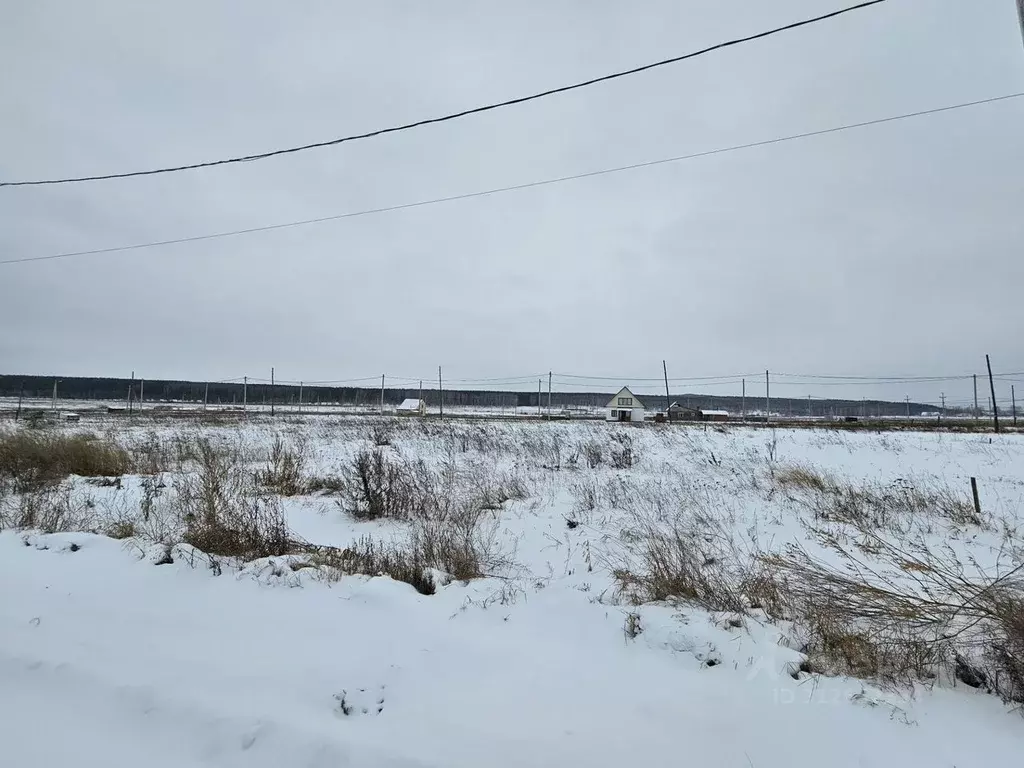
{"points": [[625, 406]]}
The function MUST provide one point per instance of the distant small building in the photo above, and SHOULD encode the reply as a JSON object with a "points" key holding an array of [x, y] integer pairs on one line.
{"points": [[412, 407], [677, 412], [710, 415], [625, 406]]}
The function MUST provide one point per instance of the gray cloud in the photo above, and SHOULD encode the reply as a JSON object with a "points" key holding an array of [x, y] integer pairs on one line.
{"points": [[889, 250]]}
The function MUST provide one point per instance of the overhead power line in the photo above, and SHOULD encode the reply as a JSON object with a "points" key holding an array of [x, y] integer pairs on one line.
{"points": [[513, 187], [451, 116]]}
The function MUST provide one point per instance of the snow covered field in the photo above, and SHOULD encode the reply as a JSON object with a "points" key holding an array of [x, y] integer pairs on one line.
{"points": [[571, 646]]}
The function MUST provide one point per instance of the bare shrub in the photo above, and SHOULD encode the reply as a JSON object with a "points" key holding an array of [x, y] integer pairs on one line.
{"points": [[379, 487], [33, 459], [455, 544], [623, 454], [381, 432], [593, 451], [226, 512], [910, 613]]}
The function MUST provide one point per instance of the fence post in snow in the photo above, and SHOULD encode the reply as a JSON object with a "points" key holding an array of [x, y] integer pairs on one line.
{"points": [[992, 388]]}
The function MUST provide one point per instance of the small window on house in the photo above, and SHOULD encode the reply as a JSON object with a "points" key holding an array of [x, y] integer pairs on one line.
{"points": [[625, 401]]}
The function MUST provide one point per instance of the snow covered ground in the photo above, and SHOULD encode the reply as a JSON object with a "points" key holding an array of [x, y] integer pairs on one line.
{"points": [[107, 659]]}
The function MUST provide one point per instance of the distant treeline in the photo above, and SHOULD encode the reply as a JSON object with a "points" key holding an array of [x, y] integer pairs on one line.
{"points": [[159, 390]]}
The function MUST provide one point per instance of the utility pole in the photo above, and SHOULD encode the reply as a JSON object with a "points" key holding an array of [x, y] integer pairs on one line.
{"points": [[809, 414], [300, 397], [382, 394], [863, 408], [1020, 16], [992, 388], [131, 386], [142, 393], [976, 412], [549, 392], [272, 391], [54, 406], [743, 406], [420, 401], [245, 393], [1013, 395], [538, 398], [943, 411], [206, 395], [908, 407], [767, 400], [668, 397], [440, 392], [21, 395]]}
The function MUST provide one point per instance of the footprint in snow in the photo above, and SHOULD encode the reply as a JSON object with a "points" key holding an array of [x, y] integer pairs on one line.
{"points": [[353, 702]]}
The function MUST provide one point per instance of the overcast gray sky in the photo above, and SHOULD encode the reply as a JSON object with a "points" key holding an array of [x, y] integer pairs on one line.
{"points": [[891, 250]]}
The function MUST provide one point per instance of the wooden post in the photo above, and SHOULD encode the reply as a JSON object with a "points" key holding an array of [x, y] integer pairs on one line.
{"points": [[131, 386], [538, 399], [767, 399], [382, 394], [908, 407], [974, 493], [743, 405], [992, 388], [976, 413], [549, 392], [419, 403], [21, 395], [206, 395], [300, 397], [54, 405], [668, 397], [272, 392], [245, 393], [440, 392], [1013, 403], [142, 393]]}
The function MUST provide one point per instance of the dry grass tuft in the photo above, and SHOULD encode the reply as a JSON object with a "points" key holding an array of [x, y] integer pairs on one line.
{"points": [[806, 478], [374, 558], [283, 473], [674, 562], [34, 459], [50, 509], [895, 505]]}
